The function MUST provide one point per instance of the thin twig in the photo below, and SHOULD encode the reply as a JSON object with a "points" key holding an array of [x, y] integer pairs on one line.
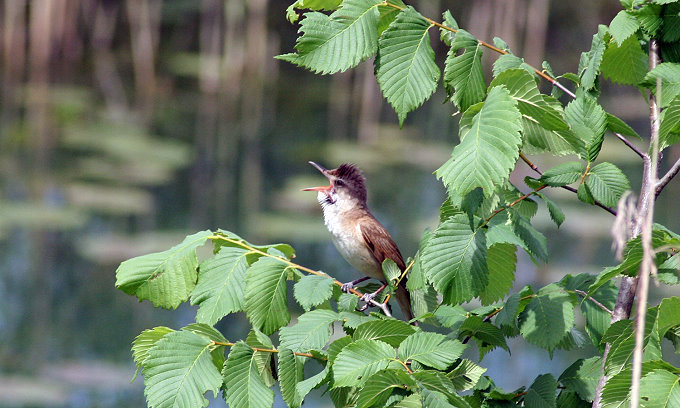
{"points": [[600, 305], [568, 188], [631, 145], [647, 267], [522, 198], [663, 181]]}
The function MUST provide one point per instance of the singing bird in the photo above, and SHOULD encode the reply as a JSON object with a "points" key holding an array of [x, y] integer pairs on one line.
{"points": [[357, 235]]}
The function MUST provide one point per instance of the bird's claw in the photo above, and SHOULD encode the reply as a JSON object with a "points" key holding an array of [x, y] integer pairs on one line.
{"points": [[367, 298], [347, 286]]}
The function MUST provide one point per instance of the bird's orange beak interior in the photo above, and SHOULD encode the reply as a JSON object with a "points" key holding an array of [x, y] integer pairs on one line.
{"points": [[321, 188]]}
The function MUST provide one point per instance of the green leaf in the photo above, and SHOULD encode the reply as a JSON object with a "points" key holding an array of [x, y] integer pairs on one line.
{"points": [[304, 387], [669, 315], [312, 331], [488, 150], [206, 331], [388, 14], [669, 130], [607, 183], [548, 317], [623, 26], [625, 63], [463, 73], [291, 372], [540, 140], [431, 349], [616, 125], [179, 370], [615, 393], [448, 35], [501, 261], [313, 290], [522, 87], [582, 377], [244, 385], [669, 72], [592, 59], [621, 337], [466, 375], [598, 320], [484, 333], [649, 17], [583, 194], [435, 399], [554, 210], [563, 174], [266, 295], [588, 121], [358, 361], [660, 389], [334, 43], [450, 316], [542, 392], [262, 359], [505, 62], [378, 388], [671, 24], [405, 67], [165, 278], [143, 343], [410, 401], [534, 242], [454, 260], [569, 399], [392, 332], [221, 285], [292, 16]]}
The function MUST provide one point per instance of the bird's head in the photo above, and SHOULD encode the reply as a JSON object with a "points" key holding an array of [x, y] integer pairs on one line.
{"points": [[347, 186]]}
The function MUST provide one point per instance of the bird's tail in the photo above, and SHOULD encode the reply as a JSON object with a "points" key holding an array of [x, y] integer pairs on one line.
{"points": [[404, 299]]}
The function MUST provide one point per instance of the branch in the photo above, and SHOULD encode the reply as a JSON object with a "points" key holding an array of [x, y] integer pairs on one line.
{"points": [[663, 181], [632, 146], [568, 188], [600, 305]]}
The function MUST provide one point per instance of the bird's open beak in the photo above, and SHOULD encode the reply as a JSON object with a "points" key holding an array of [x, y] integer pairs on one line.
{"points": [[323, 171]]}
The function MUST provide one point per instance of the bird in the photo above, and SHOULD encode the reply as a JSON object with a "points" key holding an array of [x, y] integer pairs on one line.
{"points": [[356, 233]]}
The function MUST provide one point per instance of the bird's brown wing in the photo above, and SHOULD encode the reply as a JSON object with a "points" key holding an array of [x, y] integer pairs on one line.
{"points": [[383, 247], [381, 244]]}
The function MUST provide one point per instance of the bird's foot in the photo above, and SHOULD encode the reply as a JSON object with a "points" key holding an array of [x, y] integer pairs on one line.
{"points": [[347, 286], [367, 298]]}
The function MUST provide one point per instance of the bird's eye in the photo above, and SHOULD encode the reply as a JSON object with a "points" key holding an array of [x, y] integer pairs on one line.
{"points": [[339, 183]]}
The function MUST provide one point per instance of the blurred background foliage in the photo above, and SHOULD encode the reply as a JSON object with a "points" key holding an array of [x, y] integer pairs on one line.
{"points": [[127, 124]]}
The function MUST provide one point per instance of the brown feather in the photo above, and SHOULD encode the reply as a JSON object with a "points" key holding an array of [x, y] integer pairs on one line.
{"points": [[383, 247], [381, 243]]}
